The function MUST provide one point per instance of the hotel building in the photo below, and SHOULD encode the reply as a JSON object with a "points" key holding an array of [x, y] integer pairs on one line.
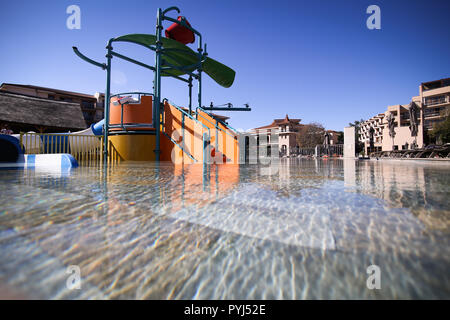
{"points": [[431, 103], [286, 130]]}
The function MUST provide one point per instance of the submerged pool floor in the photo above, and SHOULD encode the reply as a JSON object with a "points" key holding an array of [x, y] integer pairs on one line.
{"points": [[300, 229]]}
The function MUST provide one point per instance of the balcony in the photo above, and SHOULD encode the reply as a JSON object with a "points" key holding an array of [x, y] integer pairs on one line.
{"points": [[432, 112], [430, 101]]}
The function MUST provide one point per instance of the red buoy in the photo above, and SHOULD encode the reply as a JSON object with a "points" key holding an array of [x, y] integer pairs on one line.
{"points": [[179, 33]]}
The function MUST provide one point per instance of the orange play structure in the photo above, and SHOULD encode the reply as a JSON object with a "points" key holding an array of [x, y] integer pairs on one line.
{"points": [[133, 113], [186, 137], [224, 143]]}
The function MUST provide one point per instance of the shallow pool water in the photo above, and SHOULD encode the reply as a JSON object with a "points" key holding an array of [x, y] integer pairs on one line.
{"points": [[300, 229]]}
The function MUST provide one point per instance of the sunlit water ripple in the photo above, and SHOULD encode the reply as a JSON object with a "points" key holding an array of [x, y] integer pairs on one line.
{"points": [[307, 230]]}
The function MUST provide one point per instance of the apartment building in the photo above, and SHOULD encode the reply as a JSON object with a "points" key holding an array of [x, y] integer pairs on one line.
{"points": [[286, 130], [377, 123], [435, 98], [91, 105], [427, 109]]}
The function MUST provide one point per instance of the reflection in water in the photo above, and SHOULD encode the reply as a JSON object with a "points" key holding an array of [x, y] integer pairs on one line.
{"points": [[420, 186], [298, 229]]}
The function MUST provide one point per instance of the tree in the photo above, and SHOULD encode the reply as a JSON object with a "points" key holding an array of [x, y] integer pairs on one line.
{"points": [[310, 135], [441, 130], [340, 137]]}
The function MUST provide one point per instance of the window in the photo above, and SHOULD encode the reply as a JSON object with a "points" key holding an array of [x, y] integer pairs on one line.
{"points": [[87, 105], [51, 97], [432, 112], [434, 100]]}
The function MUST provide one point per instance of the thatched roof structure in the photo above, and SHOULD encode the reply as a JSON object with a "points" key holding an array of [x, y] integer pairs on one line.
{"points": [[24, 111]]}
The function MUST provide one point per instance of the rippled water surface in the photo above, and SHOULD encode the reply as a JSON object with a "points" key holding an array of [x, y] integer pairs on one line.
{"points": [[303, 229]]}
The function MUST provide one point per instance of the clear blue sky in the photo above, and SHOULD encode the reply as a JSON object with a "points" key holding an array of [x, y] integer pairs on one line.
{"points": [[314, 60]]}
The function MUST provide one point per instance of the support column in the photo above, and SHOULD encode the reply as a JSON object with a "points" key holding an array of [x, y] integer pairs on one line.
{"points": [[349, 142], [157, 91], [107, 101], [190, 95]]}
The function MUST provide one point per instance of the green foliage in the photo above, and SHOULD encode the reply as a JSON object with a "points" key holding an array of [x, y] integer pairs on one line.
{"points": [[441, 131], [340, 137], [310, 135]]}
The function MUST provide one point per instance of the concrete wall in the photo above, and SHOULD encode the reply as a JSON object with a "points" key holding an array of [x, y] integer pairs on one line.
{"points": [[349, 142], [402, 133]]}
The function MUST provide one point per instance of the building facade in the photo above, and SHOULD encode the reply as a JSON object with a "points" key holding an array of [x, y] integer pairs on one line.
{"points": [[377, 123], [286, 131], [92, 106], [425, 110]]}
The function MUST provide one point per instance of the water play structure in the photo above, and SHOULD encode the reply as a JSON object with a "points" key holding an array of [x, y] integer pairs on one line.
{"points": [[143, 126]]}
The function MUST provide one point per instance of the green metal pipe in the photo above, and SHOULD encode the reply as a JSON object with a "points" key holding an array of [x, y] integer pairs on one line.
{"points": [[132, 61], [82, 56], [176, 77], [226, 109], [157, 93], [190, 94], [205, 146], [184, 69], [140, 44], [183, 143], [169, 50], [107, 100], [170, 9], [201, 58], [200, 87]]}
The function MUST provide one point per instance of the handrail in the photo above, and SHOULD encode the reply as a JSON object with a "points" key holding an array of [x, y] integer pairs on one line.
{"points": [[192, 118], [215, 125], [176, 143], [227, 125], [83, 147], [185, 113], [134, 92], [134, 125]]}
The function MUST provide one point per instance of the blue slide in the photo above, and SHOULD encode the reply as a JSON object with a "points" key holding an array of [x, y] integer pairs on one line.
{"points": [[11, 152]]}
